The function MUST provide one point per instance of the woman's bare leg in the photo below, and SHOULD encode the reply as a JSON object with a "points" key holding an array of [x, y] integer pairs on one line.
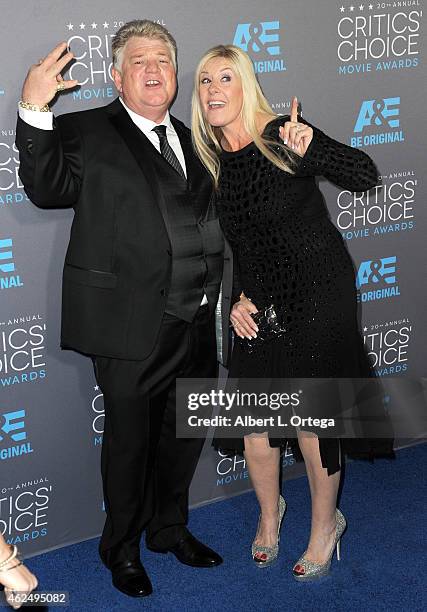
{"points": [[324, 491], [263, 465]]}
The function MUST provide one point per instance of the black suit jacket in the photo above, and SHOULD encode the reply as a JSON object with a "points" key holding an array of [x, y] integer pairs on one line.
{"points": [[118, 263]]}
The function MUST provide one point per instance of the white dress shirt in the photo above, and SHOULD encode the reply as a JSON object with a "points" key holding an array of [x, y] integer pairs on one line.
{"points": [[146, 126]]}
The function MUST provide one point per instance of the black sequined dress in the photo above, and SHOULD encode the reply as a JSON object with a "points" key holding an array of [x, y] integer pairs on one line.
{"points": [[286, 251]]}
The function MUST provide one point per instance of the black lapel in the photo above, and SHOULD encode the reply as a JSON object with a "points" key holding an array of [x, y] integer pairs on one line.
{"points": [[133, 138], [198, 179], [191, 161]]}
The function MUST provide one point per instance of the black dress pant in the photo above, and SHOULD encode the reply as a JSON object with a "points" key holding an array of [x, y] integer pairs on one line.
{"points": [[146, 470]]}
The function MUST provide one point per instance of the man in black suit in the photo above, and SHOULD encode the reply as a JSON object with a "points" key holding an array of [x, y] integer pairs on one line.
{"points": [[141, 281]]}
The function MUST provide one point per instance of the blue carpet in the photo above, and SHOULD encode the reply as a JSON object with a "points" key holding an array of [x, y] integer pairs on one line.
{"points": [[382, 563]]}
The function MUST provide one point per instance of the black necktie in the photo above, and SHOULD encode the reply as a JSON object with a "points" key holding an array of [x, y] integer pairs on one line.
{"points": [[167, 151]]}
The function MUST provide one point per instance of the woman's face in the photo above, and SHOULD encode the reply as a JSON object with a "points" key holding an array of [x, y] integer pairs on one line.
{"points": [[220, 93]]}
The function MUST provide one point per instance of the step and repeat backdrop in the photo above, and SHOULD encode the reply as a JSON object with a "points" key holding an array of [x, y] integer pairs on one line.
{"points": [[359, 71]]}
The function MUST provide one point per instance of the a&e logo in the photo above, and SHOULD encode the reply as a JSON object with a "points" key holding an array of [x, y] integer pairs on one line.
{"points": [[374, 273], [7, 266], [383, 113], [261, 39], [13, 435]]}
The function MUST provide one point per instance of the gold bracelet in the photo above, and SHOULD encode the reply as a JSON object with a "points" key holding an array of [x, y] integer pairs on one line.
{"points": [[34, 107], [12, 555]]}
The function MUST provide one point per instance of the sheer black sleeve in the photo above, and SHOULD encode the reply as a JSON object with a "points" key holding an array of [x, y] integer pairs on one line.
{"points": [[341, 164]]}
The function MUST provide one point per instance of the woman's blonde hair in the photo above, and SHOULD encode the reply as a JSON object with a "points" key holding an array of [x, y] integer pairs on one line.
{"points": [[206, 139]]}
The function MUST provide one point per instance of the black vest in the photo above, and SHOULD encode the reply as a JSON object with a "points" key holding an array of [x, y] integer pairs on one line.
{"points": [[194, 233]]}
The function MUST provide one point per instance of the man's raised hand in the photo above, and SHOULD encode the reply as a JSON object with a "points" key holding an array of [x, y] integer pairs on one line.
{"points": [[44, 80]]}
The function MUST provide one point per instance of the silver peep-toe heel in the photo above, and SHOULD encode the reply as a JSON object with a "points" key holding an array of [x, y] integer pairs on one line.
{"points": [[305, 570], [269, 553]]}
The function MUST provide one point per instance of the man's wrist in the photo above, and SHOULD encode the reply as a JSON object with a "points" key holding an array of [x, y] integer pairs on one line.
{"points": [[40, 121], [34, 107]]}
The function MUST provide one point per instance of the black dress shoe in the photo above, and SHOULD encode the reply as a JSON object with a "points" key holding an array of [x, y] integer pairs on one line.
{"points": [[130, 578], [190, 551]]}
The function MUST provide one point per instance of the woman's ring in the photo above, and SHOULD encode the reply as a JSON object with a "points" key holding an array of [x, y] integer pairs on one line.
{"points": [[60, 86]]}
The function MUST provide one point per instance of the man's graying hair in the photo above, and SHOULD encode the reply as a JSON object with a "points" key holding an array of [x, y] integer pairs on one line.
{"points": [[143, 28]]}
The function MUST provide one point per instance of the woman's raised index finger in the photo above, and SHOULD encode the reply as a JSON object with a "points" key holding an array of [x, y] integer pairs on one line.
{"points": [[294, 110]]}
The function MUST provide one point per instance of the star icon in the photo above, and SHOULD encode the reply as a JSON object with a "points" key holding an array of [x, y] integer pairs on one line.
{"points": [[70, 26], [361, 7], [371, 6], [342, 9], [82, 26], [351, 8], [106, 25], [365, 328], [96, 388], [94, 25]]}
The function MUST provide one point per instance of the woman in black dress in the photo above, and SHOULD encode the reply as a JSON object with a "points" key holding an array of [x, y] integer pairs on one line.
{"points": [[288, 253]]}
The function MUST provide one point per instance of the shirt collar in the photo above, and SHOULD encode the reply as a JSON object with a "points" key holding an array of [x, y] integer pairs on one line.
{"points": [[146, 125]]}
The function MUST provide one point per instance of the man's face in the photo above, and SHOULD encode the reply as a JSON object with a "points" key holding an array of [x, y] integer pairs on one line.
{"points": [[147, 78]]}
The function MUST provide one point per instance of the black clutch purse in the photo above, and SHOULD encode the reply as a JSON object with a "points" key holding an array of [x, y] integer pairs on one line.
{"points": [[268, 328]]}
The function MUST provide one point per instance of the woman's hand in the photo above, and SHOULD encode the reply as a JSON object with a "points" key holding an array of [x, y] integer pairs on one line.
{"points": [[243, 324], [297, 136], [17, 580]]}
